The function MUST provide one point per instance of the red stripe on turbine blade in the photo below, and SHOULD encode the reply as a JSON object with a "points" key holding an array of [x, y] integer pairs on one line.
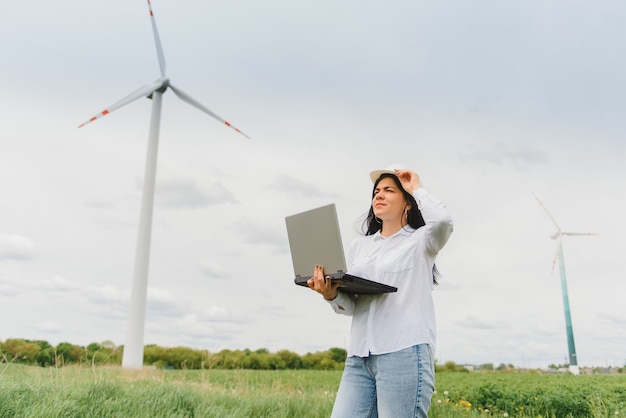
{"points": [[94, 118], [105, 112], [227, 124]]}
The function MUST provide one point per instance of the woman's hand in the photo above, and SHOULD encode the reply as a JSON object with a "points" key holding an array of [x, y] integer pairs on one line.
{"points": [[323, 285], [410, 180]]}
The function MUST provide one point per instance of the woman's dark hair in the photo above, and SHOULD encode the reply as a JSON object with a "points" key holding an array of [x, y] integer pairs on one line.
{"points": [[371, 224], [414, 218]]}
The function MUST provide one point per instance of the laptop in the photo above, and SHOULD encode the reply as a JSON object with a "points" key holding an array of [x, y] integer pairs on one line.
{"points": [[314, 238]]}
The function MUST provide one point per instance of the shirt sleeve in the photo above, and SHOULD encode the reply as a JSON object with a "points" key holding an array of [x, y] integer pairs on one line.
{"points": [[439, 224], [343, 304]]}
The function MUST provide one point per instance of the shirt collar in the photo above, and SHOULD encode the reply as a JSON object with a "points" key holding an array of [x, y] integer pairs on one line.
{"points": [[407, 230]]}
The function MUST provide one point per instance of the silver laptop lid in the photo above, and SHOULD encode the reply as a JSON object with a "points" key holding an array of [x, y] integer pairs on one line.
{"points": [[314, 238]]}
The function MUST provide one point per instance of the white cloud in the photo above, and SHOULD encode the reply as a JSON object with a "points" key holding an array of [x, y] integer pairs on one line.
{"points": [[220, 314], [289, 185], [259, 233], [9, 287], [49, 327], [105, 294], [214, 270], [162, 303], [188, 194], [58, 283], [521, 156], [16, 247], [472, 321]]}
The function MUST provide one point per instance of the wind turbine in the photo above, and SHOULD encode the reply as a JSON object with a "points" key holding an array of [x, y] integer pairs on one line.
{"points": [[133, 349], [558, 236]]}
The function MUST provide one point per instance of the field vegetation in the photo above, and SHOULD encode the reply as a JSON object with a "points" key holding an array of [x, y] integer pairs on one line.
{"points": [[245, 383], [110, 391]]}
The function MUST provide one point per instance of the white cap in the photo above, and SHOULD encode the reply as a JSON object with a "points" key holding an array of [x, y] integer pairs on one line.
{"points": [[389, 169]]}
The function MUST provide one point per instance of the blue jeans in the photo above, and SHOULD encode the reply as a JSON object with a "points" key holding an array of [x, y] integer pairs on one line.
{"points": [[393, 385]]}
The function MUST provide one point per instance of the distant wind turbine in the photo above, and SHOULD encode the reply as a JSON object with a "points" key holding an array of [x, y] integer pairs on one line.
{"points": [[558, 236], [133, 349]]}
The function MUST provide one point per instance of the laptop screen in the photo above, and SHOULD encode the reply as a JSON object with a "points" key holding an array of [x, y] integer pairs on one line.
{"points": [[314, 238]]}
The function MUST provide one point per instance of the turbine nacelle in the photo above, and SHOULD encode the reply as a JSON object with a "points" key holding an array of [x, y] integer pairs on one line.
{"points": [[164, 82]]}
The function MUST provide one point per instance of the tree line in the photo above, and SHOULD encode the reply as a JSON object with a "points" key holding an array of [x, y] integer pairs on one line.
{"points": [[42, 353]]}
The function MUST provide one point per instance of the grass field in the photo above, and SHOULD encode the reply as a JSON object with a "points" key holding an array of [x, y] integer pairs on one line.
{"points": [[30, 391]]}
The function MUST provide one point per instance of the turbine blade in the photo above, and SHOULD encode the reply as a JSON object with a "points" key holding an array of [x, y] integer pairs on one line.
{"points": [[580, 233], [186, 98], [556, 254], [137, 94], [157, 41], [549, 215]]}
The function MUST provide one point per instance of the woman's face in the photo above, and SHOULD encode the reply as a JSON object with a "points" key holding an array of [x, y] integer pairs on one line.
{"points": [[388, 202]]}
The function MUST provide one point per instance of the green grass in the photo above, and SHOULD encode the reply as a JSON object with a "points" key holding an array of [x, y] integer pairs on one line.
{"points": [[29, 391], [529, 395]]}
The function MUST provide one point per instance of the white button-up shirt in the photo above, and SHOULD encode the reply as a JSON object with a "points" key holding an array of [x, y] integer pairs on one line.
{"points": [[389, 322]]}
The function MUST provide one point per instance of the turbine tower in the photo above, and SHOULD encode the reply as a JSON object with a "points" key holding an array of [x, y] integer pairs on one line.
{"points": [[558, 236], [133, 349]]}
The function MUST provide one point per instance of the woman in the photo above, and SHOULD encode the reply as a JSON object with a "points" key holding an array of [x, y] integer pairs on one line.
{"points": [[389, 371]]}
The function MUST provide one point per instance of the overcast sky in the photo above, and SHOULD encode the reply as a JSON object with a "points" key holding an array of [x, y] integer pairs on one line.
{"points": [[489, 101]]}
